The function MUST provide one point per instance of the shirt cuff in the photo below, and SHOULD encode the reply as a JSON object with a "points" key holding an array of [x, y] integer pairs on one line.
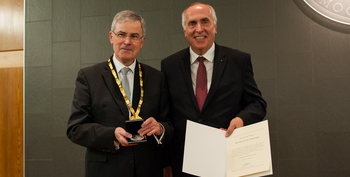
{"points": [[116, 145], [159, 141]]}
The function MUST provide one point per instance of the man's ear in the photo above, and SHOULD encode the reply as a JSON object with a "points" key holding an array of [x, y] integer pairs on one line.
{"points": [[110, 37], [216, 31], [143, 41], [184, 30]]}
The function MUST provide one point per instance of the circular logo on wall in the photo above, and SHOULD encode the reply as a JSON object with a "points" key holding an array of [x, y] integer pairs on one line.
{"points": [[336, 10]]}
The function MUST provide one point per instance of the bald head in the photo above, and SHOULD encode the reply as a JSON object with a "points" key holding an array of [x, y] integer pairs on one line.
{"points": [[197, 5]]}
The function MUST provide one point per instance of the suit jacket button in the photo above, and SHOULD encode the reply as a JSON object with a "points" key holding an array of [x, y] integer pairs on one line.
{"points": [[199, 120], [131, 161]]}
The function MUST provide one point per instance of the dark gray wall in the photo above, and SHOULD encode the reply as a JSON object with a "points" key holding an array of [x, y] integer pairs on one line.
{"points": [[301, 63]]}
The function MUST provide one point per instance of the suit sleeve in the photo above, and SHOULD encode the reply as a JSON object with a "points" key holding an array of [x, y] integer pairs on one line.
{"points": [[81, 129], [164, 117], [166, 151], [254, 106]]}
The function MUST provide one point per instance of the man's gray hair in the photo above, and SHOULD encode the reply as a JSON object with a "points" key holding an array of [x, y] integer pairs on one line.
{"points": [[128, 15], [212, 13]]}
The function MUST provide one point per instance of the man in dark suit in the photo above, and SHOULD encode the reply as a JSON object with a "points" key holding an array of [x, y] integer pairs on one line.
{"points": [[108, 94], [208, 83]]}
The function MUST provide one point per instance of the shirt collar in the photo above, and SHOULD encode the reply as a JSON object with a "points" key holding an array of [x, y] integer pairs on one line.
{"points": [[120, 66], [209, 55]]}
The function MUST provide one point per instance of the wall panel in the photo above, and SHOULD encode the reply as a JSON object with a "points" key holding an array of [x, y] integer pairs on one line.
{"points": [[11, 88], [11, 25], [11, 121]]}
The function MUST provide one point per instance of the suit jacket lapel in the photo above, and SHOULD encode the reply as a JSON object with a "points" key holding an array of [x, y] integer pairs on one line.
{"points": [[114, 90], [218, 69], [186, 72]]}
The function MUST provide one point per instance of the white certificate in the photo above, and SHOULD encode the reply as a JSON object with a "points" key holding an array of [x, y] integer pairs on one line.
{"points": [[245, 153]]}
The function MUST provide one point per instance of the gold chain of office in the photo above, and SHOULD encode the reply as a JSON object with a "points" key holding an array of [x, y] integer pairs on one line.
{"points": [[134, 115]]}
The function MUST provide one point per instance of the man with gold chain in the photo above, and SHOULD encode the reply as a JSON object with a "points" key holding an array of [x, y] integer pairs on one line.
{"points": [[117, 91]]}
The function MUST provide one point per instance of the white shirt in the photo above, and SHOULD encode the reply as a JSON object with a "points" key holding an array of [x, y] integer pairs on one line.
{"points": [[208, 63]]}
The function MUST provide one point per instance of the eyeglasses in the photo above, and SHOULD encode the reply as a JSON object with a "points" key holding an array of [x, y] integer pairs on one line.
{"points": [[123, 36]]}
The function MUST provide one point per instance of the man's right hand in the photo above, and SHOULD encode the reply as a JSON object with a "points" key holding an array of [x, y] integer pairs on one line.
{"points": [[121, 135]]}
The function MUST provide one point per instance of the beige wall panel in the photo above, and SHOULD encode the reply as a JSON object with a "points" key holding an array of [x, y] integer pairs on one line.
{"points": [[11, 59]]}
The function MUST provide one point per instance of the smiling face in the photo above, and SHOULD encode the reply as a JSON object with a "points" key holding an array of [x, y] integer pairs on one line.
{"points": [[126, 49], [199, 29]]}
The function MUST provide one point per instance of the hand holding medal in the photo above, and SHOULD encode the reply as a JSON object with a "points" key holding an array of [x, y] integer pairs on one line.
{"points": [[135, 127], [150, 127]]}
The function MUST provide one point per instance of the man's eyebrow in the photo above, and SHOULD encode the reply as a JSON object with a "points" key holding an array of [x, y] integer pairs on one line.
{"points": [[135, 34], [121, 32], [205, 19], [192, 21], [127, 33]]}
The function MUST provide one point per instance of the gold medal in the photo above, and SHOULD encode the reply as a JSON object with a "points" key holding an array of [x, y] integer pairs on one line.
{"points": [[133, 117]]}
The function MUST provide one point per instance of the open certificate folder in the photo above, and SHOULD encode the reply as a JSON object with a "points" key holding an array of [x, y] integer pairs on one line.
{"points": [[208, 153]]}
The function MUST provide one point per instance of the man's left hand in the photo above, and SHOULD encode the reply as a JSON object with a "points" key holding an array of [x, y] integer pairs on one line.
{"points": [[235, 123], [150, 127]]}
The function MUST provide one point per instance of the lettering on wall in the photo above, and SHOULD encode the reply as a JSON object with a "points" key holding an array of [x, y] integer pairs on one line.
{"points": [[336, 10]]}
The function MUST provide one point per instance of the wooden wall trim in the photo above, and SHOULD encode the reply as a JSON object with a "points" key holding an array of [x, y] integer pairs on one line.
{"points": [[11, 88], [11, 24], [11, 121]]}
